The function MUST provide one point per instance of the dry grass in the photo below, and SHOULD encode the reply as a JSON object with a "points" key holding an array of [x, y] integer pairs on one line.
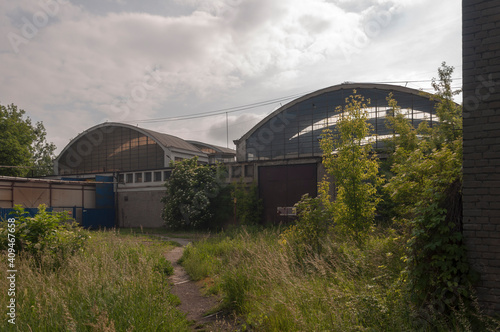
{"points": [[115, 284], [344, 288]]}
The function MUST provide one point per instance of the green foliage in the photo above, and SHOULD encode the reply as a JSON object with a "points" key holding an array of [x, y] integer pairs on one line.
{"points": [[437, 271], [404, 133], [344, 288], [248, 209], [53, 234], [116, 284], [310, 228], [354, 167], [448, 112], [196, 196], [164, 266], [23, 144], [349, 158]]}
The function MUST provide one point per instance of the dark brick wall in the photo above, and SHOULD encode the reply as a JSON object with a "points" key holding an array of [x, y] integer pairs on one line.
{"points": [[481, 185]]}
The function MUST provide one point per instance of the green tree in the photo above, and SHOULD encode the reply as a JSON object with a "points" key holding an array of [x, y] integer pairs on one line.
{"points": [[23, 144], [350, 159], [196, 196], [424, 188]]}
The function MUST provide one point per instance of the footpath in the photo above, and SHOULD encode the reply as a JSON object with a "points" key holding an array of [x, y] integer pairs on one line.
{"points": [[196, 306]]}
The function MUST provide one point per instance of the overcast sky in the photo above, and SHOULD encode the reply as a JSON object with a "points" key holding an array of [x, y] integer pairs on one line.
{"points": [[75, 64]]}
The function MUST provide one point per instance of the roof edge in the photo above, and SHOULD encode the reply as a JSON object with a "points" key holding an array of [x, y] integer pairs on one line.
{"points": [[343, 86]]}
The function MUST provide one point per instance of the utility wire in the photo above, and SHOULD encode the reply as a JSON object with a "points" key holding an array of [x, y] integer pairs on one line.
{"points": [[219, 111], [259, 104]]}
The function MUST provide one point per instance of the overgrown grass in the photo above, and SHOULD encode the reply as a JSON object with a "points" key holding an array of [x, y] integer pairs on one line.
{"points": [[194, 235], [117, 283], [344, 288]]}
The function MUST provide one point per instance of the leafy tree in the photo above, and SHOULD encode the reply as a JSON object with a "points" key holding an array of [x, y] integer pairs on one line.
{"points": [[196, 196], [350, 159], [404, 133], [23, 144], [425, 187]]}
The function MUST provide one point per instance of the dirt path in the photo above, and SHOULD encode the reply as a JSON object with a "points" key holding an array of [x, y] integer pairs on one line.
{"points": [[193, 303]]}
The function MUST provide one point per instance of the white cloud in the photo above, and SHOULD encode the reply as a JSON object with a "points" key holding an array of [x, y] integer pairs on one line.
{"points": [[84, 66]]}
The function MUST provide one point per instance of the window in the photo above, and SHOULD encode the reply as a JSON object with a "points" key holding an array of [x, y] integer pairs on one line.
{"points": [[121, 178], [147, 177], [237, 172], [249, 170], [138, 177], [130, 178], [157, 176], [166, 175]]}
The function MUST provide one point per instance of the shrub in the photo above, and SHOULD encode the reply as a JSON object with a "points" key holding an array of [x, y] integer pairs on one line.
{"points": [[310, 227], [196, 196], [248, 204], [117, 283], [46, 233], [349, 158]]}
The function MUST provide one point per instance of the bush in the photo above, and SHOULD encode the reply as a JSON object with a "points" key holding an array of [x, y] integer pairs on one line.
{"points": [[117, 283], [349, 159], [343, 288], [53, 234], [248, 204], [197, 196], [310, 227]]}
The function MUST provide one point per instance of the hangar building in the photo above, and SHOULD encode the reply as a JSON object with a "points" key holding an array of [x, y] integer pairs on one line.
{"points": [[282, 152]]}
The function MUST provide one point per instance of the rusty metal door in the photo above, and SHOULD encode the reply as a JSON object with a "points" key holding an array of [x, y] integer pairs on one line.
{"points": [[280, 187]]}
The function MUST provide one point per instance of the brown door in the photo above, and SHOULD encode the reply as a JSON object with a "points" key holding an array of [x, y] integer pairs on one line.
{"points": [[280, 187]]}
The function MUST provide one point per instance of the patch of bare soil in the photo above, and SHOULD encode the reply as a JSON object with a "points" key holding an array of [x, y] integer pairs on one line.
{"points": [[196, 306]]}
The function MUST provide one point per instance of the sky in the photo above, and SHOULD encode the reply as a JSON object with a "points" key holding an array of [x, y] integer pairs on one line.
{"points": [[73, 64]]}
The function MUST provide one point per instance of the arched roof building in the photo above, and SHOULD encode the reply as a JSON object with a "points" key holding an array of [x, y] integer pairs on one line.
{"points": [[293, 130], [118, 147], [215, 153]]}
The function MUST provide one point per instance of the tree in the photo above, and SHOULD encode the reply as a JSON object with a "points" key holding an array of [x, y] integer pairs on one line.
{"points": [[23, 144], [196, 197], [425, 189], [350, 159]]}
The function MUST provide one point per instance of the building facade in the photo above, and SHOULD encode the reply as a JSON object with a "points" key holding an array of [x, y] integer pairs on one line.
{"points": [[282, 152], [481, 125]]}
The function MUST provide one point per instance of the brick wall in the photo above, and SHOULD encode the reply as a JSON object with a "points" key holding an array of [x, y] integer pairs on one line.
{"points": [[481, 186]]}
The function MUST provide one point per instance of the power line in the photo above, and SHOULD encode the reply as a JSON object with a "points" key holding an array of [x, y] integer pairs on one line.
{"points": [[258, 104], [219, 111]]}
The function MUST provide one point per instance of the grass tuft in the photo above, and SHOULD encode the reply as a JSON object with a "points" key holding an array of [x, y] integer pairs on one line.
{"points": [[117, 283], [343, 288]]}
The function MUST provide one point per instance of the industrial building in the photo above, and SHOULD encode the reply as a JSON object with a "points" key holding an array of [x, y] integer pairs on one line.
{"points": [[281, 154]]}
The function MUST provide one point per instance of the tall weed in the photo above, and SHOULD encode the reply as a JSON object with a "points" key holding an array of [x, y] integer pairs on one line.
{"points": [[118, 283], [344, 288]]}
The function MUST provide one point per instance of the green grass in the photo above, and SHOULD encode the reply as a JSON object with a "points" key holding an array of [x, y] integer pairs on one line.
{"points": [[161, 231], [344, 288], [117, 283]]}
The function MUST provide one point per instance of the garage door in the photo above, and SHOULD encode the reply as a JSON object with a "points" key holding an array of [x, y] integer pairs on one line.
{"points": [[280, 187]]}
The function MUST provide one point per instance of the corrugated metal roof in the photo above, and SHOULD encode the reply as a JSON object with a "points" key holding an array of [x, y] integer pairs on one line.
{"points": [[170, 141], [214, 147]]}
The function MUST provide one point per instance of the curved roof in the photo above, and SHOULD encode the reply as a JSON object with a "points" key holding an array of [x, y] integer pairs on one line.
{"points": [[164, 140], [216, 148], [344, 86], [294, 130]]}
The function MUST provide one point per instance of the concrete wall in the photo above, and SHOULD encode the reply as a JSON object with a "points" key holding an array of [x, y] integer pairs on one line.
{"points": [[140, 207], [481, 168]]}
